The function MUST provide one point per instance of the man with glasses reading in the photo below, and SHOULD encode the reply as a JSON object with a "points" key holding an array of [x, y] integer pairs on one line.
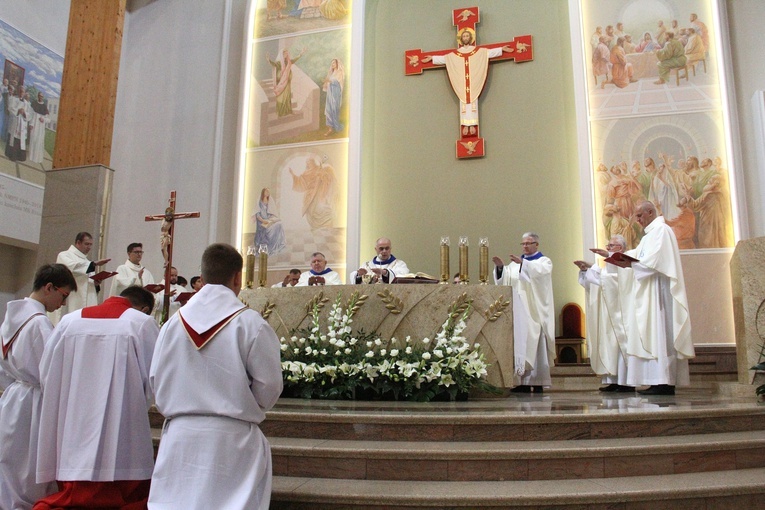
{"points": [[131, 272], [608, 295], [530, 276]]}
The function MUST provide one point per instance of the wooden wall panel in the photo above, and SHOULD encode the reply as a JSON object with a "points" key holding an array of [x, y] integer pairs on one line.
{"points": [[89, 83]]}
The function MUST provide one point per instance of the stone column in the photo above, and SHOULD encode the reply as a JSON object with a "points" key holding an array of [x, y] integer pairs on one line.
{"points": [[76, 199], [747, 268]]}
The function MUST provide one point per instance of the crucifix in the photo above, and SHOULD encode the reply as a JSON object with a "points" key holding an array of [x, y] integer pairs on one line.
{"points": [[166, 244], [468, 67]]}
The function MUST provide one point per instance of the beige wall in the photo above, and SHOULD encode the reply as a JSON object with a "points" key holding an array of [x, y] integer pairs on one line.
{"points": [[414, 190]]}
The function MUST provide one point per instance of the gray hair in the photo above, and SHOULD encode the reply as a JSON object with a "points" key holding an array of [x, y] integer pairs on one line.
{"points": [[620, 239], [532, 235]]}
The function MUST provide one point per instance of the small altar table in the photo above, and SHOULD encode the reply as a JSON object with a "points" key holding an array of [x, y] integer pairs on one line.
{"points": [[416, 310]]}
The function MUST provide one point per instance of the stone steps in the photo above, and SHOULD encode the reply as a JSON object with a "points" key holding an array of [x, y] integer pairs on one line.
{"points": [[739, 490], [517, 460]]}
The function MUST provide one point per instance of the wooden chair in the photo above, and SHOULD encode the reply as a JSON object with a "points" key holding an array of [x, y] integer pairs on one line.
{"points": [[695, 63], [570, 347], [678, 76]]}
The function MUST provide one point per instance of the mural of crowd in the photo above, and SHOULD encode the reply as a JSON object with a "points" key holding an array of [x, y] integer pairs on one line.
{"points": [[692, 196], [672, 46]]}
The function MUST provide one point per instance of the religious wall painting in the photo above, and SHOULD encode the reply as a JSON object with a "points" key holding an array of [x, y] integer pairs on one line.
{"points": [[649, 56], [679, 163], [275, 18], [35, 68], [295, 203], [467, 67], [299, 89]]}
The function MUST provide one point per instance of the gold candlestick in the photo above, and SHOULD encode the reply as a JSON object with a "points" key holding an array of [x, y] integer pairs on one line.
{"points": [[464, 278], [444, 260], [483, 260], [250, 268], [263, 265]]}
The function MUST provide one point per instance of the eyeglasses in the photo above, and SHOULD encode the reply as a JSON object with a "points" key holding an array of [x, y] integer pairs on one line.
{"points": [[528, 244], [137, 252], [63, 294], [609, 245]]}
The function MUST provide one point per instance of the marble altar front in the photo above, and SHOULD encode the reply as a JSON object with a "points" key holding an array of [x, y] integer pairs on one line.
{"points": [[416, 310]]}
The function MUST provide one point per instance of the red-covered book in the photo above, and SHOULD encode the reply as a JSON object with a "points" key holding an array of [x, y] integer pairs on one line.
{"points": [[620, 259], [103, 275], [154, 287]]}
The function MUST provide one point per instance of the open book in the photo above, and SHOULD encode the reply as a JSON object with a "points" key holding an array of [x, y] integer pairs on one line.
{"points": [[415, 278], [621, 260], [103, 275], [154, 287], [183, 297]]}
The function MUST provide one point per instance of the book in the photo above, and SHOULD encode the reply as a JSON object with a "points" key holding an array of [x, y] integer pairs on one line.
{"points": [[103, 275], [621, 260], [154, 287], [183, 297], [415, 278]]}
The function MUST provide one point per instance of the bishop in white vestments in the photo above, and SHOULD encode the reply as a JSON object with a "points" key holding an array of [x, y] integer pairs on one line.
{"points": [[530, 275], [319, 274], [384, 267]]}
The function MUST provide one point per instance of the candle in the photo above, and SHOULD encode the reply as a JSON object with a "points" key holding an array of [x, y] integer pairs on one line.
{"points": [[464, 278], [444, 259]]}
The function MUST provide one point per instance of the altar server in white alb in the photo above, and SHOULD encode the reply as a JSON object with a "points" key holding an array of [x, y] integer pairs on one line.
{"points": [[76, 259], [23, 334], [661, 346], [319, 274], [215, 373], [530, 275], [384, 267], [95, 438], [607, 306], [131, 272]]}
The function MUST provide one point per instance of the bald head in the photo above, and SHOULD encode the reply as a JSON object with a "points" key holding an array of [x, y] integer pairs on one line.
{"points": [[382, 248], [645, 213]]}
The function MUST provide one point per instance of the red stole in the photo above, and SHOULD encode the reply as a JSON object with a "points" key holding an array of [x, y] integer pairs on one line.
{"points": [[201, 339]]}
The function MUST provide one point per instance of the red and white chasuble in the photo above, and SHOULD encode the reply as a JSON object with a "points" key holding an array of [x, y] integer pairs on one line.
{"points": [[95, 438]]}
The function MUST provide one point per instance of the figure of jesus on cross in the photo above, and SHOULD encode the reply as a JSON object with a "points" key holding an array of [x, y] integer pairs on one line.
{"points": [[468, 67], [167, 231]]}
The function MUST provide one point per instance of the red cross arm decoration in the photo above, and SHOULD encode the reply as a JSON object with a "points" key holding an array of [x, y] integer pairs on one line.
{"points": [[467, 67]]}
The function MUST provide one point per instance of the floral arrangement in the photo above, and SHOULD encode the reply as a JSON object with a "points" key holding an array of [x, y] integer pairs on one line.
{"points": [[343, 364]]}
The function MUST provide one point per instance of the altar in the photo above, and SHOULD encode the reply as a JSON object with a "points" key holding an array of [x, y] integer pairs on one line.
{"points": [[399, 311]]}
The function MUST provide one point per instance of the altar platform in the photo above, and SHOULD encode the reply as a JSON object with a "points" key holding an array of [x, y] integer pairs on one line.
{"points": [[702, 448]]}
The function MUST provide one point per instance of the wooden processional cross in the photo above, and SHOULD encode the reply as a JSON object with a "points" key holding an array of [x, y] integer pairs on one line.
{"points": [[166, 243], [468, 67]]}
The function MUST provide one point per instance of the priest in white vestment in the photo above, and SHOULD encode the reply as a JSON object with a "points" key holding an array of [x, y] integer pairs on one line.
{"points": [[467, 68], [175, 291], [606, 332], [661, 345], [131, 272], [215, 373], [384, 267], [530, 275], [76, 259], [95, 437], [23, 334], [319, 274]]}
